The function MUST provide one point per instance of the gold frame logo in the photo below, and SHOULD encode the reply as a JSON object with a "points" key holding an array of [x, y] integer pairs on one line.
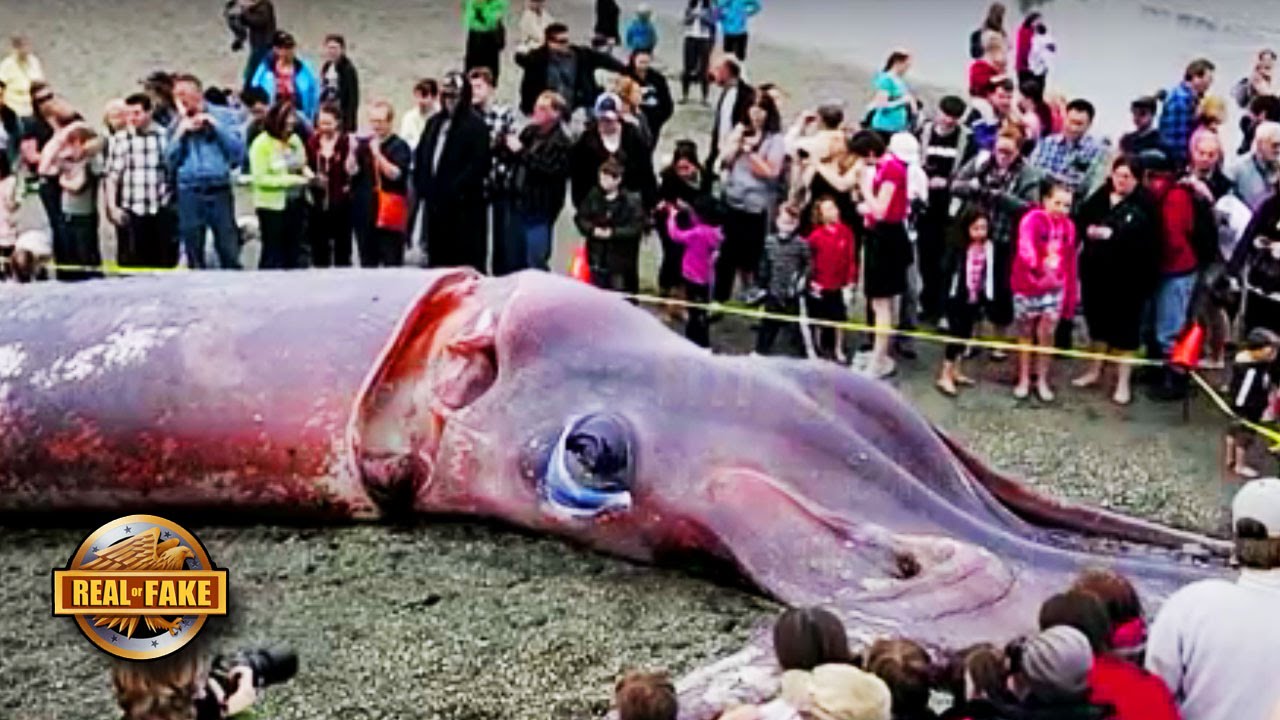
{"points": [[140, 587]]}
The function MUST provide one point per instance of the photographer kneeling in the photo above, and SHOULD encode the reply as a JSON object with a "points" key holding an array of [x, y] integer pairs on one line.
{"points": [[188, 686]]}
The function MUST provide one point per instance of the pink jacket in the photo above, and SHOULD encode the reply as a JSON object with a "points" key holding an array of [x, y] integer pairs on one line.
{"points": [[1046, 259], [700, 243]]}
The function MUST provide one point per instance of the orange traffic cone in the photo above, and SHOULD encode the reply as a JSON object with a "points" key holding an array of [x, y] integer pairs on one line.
{"points": [[1186, 353], [578, 267]]}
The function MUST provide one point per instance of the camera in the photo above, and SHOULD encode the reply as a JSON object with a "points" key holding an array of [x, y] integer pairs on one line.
{"points": [[269, 667]]}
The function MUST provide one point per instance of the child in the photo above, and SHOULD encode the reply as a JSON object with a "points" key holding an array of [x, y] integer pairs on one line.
{"points": [[835, 272], [612, 221], [1043, 280], [695, 229], [970, 284], [784, 273], [1253, 381], [642, 36]]}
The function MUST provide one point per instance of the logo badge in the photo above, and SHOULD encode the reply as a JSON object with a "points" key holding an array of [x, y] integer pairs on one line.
{"points": [[140, 587]]}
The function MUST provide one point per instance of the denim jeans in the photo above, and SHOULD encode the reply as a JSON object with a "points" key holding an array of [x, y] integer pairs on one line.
{"points": [[1172, 301], [201, 209], [537, 241]]}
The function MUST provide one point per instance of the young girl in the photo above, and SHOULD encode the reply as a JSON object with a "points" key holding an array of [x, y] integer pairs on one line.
{"points": [[970, 284], [835, 271], [694, 228], [1043, 280]]}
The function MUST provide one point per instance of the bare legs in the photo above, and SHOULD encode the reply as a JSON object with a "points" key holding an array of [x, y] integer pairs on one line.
{"points": [[1038, 331]]}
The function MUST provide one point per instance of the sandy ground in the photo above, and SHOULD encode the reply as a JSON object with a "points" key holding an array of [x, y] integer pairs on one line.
{"points": [[463, 622]]}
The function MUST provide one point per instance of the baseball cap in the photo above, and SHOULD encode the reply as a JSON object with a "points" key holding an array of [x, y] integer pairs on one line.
{"points": [[1057, 663], [283, 39], [608, 104], [1259, 500]]}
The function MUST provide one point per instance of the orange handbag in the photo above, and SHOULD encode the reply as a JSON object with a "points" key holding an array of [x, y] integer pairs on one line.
{"points": [[393, 209]]}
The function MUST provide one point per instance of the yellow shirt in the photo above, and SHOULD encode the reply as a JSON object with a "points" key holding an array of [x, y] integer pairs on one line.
{"points": [[17, 78]]}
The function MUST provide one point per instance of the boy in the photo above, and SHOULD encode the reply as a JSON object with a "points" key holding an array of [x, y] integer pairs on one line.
{"points": [[612, 222], [783, 275], [642, 36]]}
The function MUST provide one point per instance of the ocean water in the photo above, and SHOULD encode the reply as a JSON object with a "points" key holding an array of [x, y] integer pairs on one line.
{"points": [[1109, 51]]}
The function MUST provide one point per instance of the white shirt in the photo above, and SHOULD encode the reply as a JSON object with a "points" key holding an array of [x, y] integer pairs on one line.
{"points": [[1043, 49], [1216, 644], [412, 125], [727, 101]]}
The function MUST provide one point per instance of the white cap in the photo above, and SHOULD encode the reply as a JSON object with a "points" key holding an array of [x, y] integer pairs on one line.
{"points": [[1259, 500]]}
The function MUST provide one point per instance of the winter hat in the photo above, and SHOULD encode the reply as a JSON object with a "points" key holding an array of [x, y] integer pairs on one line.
{"points": [[905, 147], [1259, 500], [837, 692], [1057, 662]]}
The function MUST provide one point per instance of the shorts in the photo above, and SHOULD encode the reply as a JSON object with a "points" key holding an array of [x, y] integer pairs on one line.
{"points": [[1027, 308]]}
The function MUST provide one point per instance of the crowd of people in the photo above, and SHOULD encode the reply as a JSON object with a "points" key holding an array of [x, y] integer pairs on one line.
{"points": [[1208, 654]]}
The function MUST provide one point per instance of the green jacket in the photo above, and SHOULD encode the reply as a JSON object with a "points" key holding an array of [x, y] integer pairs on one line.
{"points": [[483, 15], [270, 172]]}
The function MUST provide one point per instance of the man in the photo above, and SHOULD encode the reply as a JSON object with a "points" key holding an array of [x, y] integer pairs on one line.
{"points": [[734, 16], [736, 99], [501, 121], [450, 167], [339, 81], [609, 138], [946, 146], [18, 71], [1073, 157], [1145, 135], [1215, 643], [204, 145], [257, 19], [1261, 109], [565, 69], [1205, 174], [1256, 173], [379, 165], [137, 190], [1179, 116], [256, 103], [658, 106], [1188, 243], [541, 176], [284, 76], [426, 102], [486, 36]]}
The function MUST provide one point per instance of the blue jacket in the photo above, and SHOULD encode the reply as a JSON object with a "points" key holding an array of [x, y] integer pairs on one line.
{"points": [[734, 15], [204, 159], [641, 34], [306, 84]]}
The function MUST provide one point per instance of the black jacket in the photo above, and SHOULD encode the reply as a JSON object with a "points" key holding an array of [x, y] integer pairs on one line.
{"points": [[13, 128], [464, 162], [1127, 262], [589, 153], [347, 95], [741, 107], [586, 89], [658, 106], [540, 173]]}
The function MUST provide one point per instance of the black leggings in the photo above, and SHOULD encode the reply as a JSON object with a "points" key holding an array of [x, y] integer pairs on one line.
{"points": [[744, 235], [331, 236], [736, 45], [698, 327], [961, 317], [829, 305], [697, 64]]}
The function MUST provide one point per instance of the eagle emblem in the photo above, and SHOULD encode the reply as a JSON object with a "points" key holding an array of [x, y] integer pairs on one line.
{"points": [[142, 552]]}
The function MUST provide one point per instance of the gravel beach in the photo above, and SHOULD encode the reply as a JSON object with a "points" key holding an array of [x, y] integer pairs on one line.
{"points": [[458, 621]]}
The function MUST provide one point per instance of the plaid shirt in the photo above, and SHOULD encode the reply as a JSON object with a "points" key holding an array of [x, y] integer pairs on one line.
{"points": [[1074, 163], [136, 164], [1176, 122], [501, 120]]}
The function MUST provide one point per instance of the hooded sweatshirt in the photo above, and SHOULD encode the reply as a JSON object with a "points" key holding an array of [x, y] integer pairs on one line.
{"points": [[700, 241], [1046, 258]]}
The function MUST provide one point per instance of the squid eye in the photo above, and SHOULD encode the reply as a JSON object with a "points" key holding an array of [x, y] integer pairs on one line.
{"points": [[591, 467]]}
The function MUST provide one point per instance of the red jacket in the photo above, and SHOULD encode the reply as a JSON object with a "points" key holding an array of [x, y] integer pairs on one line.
{"points": [[981, 73], [1134, 693], [1177, 248], [835, 264]]}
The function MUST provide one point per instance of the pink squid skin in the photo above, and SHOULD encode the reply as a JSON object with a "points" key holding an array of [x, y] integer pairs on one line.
{"points": [[345, 395]]}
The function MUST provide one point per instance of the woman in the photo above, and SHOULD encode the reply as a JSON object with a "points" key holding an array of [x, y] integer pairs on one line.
{"points": [[893, 103], [994, 23], [752, 161], [682, 185], [632, 95], [331, 224], [1118, 269], [699, 43], [1004, 187], [888, 255], [279, 173], [991, 66]]}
